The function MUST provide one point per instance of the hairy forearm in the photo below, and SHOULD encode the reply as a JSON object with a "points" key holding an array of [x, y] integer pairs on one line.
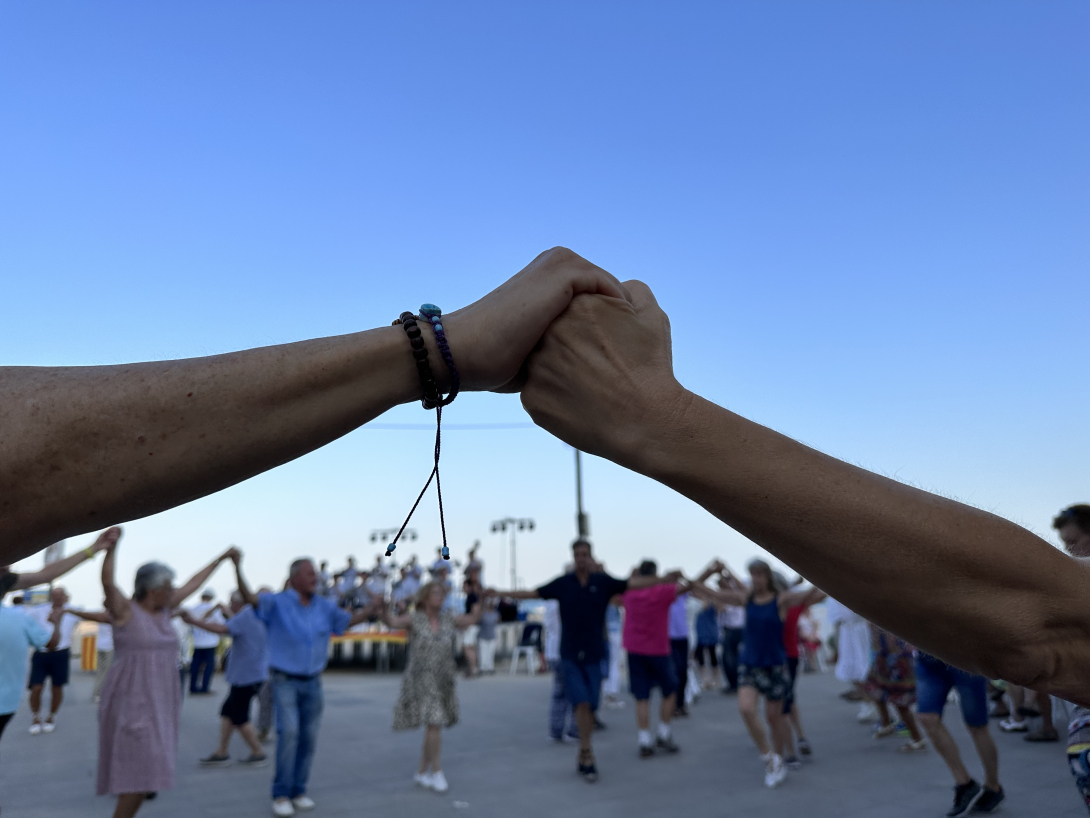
{"points": [[968, 586], [84, 447]]}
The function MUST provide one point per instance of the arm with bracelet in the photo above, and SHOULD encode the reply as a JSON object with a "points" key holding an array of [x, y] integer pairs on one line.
{"points": [[179, 430]]}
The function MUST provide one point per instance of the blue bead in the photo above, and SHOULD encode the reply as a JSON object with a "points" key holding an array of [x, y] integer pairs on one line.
{"points": [[430, 310], [390, 549], [446, 553], [437, 326]]}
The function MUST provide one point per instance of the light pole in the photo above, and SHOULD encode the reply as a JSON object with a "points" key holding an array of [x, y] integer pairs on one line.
{"points": [[582, 522], [386, 535], [513, 524]]}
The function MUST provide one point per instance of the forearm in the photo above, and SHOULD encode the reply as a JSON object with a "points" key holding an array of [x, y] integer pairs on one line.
{"points": [[51, 572], [195, 582], [88, 446], [963, 584]]}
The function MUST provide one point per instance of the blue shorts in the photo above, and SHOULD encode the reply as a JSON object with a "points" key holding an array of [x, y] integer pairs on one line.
{"points": [[934, 680], [582, 682], [646, 672], [52, 665]]}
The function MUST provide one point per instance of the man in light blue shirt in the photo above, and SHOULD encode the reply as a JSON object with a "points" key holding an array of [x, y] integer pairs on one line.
{"points": [[299, 623], [18, 633]]}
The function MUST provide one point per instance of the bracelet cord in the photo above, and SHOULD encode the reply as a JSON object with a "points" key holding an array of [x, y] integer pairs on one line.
{"points": [[432, 400]]}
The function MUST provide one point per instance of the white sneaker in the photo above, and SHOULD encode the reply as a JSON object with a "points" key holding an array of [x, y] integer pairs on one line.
{"points": [[48, 727], [867, 712], [439, 782], [1013, 725], [35, 728], [282, 807], [775, 772], [423, 780], [303, 803]]}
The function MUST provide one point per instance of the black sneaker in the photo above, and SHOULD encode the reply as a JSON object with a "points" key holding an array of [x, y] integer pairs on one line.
{"points": [[667, 745], [646, 751], [989, 800], [587, 769], [965, 797], [793, 763], [804, 747], [216, 761]]}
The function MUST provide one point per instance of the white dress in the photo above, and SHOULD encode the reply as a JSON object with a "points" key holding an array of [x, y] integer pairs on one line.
{"points": [[853, 644]]}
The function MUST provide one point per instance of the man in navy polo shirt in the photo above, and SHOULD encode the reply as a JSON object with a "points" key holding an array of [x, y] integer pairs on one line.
{"points": [[584, 596]]}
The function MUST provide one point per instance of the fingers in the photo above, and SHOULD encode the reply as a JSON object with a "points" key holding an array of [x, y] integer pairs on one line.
{"points": [[641, 296]]}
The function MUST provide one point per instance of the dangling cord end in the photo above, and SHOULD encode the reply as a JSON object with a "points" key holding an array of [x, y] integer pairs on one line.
{"points": [[390, 549]]}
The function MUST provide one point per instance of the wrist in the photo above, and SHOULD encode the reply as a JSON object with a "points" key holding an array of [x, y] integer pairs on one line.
{"points": [[650, 445]]}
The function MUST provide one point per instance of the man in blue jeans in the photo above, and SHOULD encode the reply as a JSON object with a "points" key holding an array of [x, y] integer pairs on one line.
{"points": [[934, 681], [299, 624], [584, 596]]}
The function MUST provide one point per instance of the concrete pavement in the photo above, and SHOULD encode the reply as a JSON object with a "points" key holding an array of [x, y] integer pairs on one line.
{"points": [[500, 763]]}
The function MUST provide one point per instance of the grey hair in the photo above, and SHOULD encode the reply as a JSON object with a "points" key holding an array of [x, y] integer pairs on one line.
{"points": [[149, 577]]}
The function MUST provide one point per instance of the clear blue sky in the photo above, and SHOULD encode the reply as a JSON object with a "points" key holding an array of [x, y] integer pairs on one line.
{"points": [[868, 221]]}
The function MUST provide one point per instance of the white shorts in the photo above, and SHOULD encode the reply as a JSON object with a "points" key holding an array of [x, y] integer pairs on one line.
{"points": [[470, 636]]}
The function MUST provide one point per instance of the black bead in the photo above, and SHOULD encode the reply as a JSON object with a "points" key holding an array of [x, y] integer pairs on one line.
{"points": [[420, 354]]}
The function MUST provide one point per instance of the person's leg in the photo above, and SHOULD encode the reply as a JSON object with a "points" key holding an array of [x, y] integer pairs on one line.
{"points": [[643, 715], [105, 659], [944, 745], [747, 706], [732, 638], [973, 696], [36, 703], [584, 718], [471, 661], [264, 710], [1047, 731], [679, 649], [433, 736], [129, 803], [196, 665], [989, 755], [558, 704], [286, 704], [933, 682], [909, 719], [777, 725], [226, 728], [209, 669], [310, 719], [249, 735], [56, 699]]}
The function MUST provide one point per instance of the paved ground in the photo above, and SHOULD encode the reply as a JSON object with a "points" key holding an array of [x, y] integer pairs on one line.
{"points": [[500, 764]]}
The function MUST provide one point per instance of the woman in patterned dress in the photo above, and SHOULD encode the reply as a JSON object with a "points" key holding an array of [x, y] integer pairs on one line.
{"points": [[892, 680], [141, 697], [428, 696]]}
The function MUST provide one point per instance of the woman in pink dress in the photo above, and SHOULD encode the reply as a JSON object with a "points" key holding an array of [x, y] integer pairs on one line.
{"points": [[141, 698]]}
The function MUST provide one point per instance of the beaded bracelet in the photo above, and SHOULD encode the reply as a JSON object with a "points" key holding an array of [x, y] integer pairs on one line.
{"points": [[431, 400]]}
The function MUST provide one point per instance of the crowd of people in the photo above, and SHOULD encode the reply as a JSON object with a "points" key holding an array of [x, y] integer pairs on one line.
{"points": [[651, 627]]}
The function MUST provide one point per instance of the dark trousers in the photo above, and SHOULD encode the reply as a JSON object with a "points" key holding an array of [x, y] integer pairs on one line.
{"points": [[204, 663], [4, 719], [679, 649], [732, 641]]}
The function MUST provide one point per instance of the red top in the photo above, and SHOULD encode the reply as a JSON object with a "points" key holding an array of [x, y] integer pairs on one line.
{"points": [[791, 631]]}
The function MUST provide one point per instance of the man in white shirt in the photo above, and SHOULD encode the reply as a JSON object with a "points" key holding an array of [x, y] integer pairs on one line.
{"points": [[204, 644], [51, 662]]}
